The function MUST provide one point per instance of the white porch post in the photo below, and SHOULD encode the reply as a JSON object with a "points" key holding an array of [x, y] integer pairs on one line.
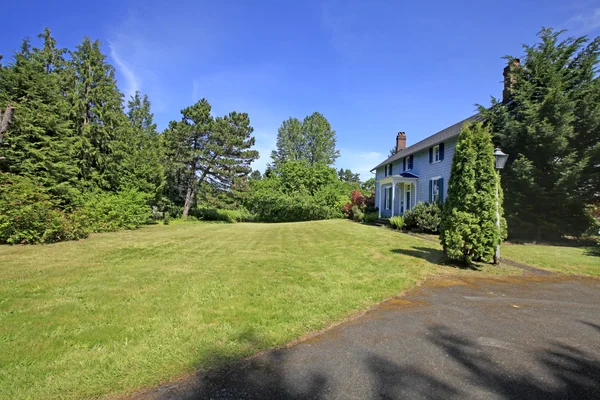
{"points": [[393, 194], [380, 198]]}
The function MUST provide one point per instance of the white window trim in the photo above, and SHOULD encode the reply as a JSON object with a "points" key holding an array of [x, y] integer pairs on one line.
{"points": [[408, 168], [434, 161], [435, 178]]}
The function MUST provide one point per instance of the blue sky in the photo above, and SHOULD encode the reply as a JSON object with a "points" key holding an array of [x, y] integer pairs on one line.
{"points": [[373, 68]]}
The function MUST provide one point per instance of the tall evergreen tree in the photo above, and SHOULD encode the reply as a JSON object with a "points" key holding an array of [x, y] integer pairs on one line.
{"points": [[469, 221], [142, 164], [312, 141], [347, 176], [41, 136], [203, 150], [551, 129], [97, 115]]}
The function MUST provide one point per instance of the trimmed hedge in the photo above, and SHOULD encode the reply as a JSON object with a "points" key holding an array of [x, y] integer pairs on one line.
{"points": [[216, 214]]}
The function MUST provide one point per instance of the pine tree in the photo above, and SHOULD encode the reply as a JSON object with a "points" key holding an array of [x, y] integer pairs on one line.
{"points": [[41, 136], [142, 165], [205, 151], [469, 223], [98, 117], [550, 127]]}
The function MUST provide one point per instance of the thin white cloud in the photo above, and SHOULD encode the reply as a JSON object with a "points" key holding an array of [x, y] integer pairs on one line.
{"points": [[585, 22], [132, 81]]}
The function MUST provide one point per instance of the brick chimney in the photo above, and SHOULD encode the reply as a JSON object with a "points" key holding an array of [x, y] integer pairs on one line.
{"points": [[400, 141], [509, 79]]}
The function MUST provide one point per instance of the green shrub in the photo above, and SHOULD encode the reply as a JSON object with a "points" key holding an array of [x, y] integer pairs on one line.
{"points": [[29, 215], [109, 212], [397, 222], [279, 207], [425, 216], [371, 217], [215, 214], [357, 213], [166, 218]]}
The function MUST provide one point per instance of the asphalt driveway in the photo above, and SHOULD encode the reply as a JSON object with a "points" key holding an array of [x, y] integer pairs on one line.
{"points": [[512, 338]]}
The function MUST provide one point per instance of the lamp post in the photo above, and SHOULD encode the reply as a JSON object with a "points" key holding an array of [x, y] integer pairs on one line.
{"points": [[501, 158]]}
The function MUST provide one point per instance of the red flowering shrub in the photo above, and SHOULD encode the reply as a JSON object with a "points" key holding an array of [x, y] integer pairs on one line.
{"points": [[359, 205]]}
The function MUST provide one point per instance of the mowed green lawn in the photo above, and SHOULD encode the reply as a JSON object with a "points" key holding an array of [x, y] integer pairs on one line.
{"points": [[570, 260], [119, 312]]}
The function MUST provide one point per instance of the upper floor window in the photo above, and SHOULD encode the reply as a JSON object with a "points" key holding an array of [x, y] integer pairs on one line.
{"points": [[436, 153], [388, 170], [408, 163]]}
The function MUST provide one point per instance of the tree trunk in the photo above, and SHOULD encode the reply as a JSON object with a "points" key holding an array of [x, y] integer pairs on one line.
{"points": [[189, 200]]}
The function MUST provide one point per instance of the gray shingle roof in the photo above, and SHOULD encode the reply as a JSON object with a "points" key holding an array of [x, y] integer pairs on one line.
{"points": [[439, 137]]}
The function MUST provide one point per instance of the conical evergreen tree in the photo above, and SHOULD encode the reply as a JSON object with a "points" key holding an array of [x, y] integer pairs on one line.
{"points": [[98, 117], [41, 136], [469, 223], [142, 166]]}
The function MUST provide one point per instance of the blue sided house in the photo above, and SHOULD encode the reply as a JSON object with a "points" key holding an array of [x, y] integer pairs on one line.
{"points": [[418, 173]]}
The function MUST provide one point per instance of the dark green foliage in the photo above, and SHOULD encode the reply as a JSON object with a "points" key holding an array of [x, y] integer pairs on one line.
{"points": [[142, 166], [41, 137], [28, 215], [369, 185], [279, 207], [551, 130], [298, 191], [108, 212], [424, 216], [347, 176], [215, 214], [203, 150], [98, 118], [312, 141], [469, 222], [371, 217]]}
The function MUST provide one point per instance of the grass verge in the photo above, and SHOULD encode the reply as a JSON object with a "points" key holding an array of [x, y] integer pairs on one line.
{"points": [[570, 260]]}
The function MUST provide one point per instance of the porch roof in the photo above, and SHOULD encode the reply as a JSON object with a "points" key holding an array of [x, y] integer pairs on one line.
{"points": [[406, 177]]}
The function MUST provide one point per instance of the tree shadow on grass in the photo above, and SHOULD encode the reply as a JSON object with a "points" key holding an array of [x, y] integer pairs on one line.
{"points": [[259, 377], [591, 325], [435, 256]]}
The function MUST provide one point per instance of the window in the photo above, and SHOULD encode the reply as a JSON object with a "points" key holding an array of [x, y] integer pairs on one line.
{"points": [[388, 198], [436, 190], [410, 162], [436, 153], [390, 170]]}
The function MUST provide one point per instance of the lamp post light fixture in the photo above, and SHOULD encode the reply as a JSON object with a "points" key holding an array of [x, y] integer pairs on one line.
{"points": [[501, 158]]}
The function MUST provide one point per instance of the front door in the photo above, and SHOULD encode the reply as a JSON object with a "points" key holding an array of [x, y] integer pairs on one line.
{"points": [[407, 191]]}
